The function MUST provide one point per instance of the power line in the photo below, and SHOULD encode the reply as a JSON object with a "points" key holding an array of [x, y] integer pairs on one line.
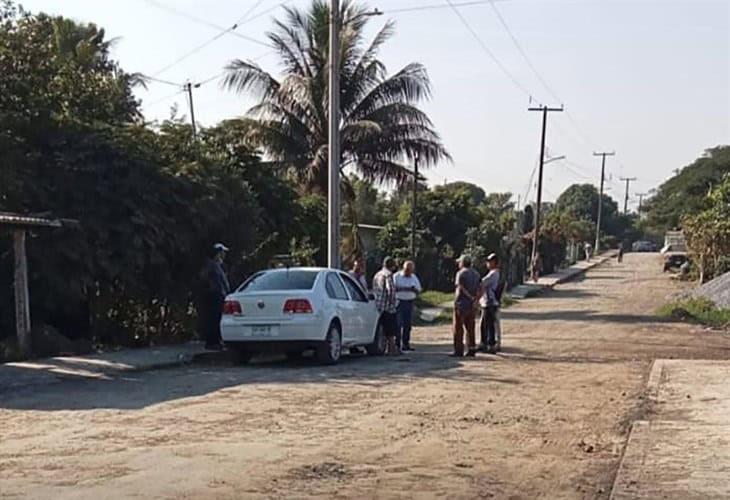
{"points": [[224, 31], [162, 99], [539, 76], [190, 17], [522, 52], [438, 6], [487, 50]]}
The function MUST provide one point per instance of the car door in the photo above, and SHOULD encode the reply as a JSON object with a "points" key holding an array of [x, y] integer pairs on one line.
{"points": [[365, 313], [345, 308]]}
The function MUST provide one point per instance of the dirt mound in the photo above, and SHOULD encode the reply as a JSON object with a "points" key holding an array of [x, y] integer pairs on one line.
{"points": [[717, 290]]}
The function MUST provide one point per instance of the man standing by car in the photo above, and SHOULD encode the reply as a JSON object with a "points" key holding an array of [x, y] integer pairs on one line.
{"points": [[407, 287], [386, 303], [215, 287], [490, 302], [465, 303], [358, 273]]}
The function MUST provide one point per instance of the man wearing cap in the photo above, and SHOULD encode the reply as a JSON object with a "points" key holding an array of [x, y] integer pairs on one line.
{"points": [[466, 298], [490, 302], [215, 289]]}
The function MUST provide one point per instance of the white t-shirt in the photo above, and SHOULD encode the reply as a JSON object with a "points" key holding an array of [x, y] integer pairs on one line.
{"points": [[403, 281]]}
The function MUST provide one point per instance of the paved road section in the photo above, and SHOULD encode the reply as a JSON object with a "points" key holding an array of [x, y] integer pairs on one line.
{"points": [[683, 450]]}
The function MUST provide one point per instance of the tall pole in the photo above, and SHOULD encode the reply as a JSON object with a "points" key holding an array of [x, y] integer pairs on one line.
{"points": [[626, 198], [600, 198], [333, 206], [415, 206], [641, 200], [189, 89], [545, 110], [22, 302]]}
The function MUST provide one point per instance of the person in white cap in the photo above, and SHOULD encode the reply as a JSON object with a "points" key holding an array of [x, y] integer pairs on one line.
{"points": [[490, 300], [215, 288]]}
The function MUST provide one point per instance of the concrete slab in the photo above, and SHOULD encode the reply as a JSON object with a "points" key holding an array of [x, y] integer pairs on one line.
{"points": [[683, 452], [675, 460]]}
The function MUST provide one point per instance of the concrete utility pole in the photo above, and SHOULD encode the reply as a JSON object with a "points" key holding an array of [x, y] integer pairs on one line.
{"points": [[189, 89], [415, 206], [626, 198], [333, 199], [545, 110], [600, 197]]}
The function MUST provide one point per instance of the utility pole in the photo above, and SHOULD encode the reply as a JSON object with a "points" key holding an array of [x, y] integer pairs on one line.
{"points": [[545, 110], [600, 197], [415, 205], [641, 200], [626, 198], [189, 88], [333, 206]]}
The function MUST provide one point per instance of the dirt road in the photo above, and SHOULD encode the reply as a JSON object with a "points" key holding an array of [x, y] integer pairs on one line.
{"points": [[546, 419]]}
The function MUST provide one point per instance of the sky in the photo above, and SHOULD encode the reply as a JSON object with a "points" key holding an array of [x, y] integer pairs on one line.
{"points": [[648, 79]]}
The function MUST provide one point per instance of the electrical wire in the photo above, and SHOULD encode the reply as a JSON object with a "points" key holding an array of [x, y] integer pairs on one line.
{"points": [[162, 99], [438, 6], [488, 51], [230, 30], [539, 76]]}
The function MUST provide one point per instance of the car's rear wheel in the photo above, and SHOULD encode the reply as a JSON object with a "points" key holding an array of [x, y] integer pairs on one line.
{"points": [[377, 348], [330, 351]]}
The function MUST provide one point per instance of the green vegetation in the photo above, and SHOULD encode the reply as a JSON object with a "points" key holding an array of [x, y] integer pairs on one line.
{"points": [[708, 232], [698, 310], [432, 298]]}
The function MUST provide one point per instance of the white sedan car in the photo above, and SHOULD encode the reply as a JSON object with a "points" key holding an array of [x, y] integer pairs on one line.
{"points": [[298, 309]]}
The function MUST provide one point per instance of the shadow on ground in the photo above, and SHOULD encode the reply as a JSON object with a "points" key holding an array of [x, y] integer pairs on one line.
{"points": [[139, 390]]}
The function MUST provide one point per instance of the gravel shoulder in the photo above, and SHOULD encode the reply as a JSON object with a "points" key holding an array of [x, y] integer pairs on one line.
{"points": [[547, 418]]}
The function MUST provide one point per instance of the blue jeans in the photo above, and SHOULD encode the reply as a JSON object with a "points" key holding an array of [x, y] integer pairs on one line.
{"points": [[405, 321]]}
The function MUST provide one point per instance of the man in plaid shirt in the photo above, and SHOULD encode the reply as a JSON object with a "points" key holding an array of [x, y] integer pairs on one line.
{"points": [[386, 302]]}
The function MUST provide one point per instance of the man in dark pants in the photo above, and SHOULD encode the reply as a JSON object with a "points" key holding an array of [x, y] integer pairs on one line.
{"points": [[386, 304], [215, 287], [490, 302], [465, 305], [407, 287]]}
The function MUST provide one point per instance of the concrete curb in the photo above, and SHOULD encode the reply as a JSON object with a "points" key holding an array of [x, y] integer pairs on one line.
{"points": [[637, 427]]}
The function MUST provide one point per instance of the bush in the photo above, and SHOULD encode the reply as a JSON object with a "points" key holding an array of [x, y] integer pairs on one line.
{"points": [[700, 310]]}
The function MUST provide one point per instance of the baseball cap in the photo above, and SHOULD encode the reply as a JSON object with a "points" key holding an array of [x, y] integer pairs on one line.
{"points": [[220, 247], [492, 256]]}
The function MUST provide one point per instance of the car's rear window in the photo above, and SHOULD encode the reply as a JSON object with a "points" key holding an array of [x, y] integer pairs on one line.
{"points": [[267, 281]]}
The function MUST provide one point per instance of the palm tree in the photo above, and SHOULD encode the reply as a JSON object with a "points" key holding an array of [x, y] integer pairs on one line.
{"points": [[381, 126]]}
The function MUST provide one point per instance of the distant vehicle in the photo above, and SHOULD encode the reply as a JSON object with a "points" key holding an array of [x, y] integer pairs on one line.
{"points": [[643, 246], [674, 260], [293, 310], [674, 241]]}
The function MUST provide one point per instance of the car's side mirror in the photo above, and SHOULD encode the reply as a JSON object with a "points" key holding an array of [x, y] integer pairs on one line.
{"points": [[371, 296]]}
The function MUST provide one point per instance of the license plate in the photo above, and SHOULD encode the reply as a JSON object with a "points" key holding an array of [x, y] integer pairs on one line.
{"points": [[263, 330]]}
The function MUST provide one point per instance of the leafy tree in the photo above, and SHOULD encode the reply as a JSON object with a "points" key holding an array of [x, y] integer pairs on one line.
{"points": [[380, 122], [708, 232], [686, 192]]}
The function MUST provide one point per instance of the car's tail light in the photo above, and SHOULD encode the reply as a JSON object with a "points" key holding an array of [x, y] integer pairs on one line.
{"points": [[232, 308], [297, 306]]}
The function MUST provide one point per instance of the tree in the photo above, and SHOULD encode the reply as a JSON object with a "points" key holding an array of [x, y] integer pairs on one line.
{"points": [[380, 122], [686, 192], [708, 232]]}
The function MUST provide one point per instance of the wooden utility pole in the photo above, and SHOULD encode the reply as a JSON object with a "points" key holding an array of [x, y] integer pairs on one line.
{"points": [[415, 206], [333, 134], [641, 200], [600, 198], [533, 261], [626, 198], [189, 88], [22, 299]]}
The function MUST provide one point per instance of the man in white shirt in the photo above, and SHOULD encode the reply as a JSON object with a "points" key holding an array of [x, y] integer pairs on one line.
{"points": [[490, 302], [407, 288]]}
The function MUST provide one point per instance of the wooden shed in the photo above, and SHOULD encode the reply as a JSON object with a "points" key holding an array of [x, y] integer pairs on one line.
{"points": [[19, 225]]}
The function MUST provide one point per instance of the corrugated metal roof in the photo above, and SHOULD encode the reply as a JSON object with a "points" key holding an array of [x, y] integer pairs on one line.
{"points": [[11, 219]]}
